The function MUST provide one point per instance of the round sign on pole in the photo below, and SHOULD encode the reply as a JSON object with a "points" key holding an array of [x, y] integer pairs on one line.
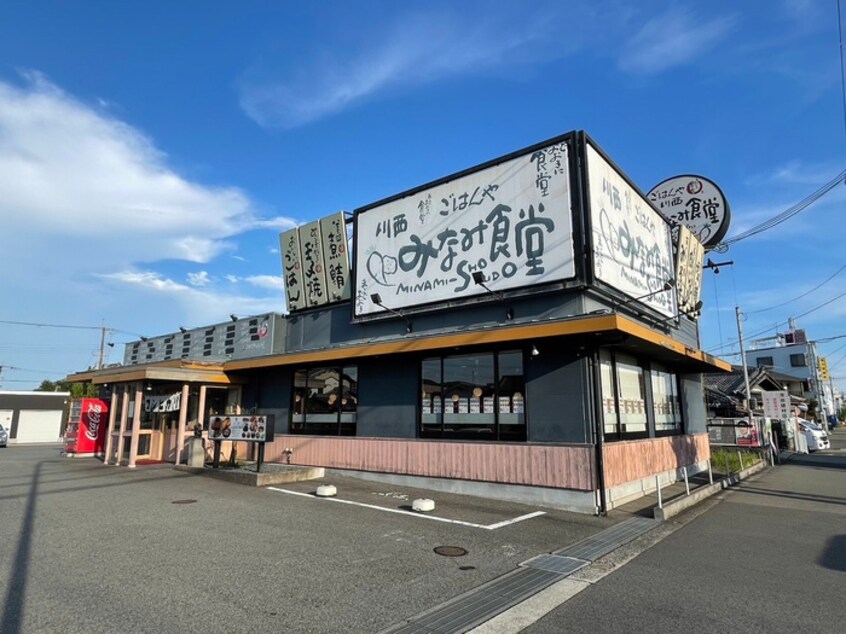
{"points": [[695, 202]]}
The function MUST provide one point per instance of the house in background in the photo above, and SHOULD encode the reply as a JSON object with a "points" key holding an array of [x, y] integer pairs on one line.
{"points": [[793, 355], [725, 392], [33, 417]]}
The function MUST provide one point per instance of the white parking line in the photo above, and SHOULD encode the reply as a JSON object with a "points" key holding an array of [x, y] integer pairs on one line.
{"points": [[487, 527]]}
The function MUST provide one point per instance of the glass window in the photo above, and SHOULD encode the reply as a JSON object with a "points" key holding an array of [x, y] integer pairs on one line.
{"points": [[764, 362], [631, 396], [665, 401], [623, 392], [325, 401], [432, 405], [474, 396], [511, 403], [798, 361], [609, 400]]}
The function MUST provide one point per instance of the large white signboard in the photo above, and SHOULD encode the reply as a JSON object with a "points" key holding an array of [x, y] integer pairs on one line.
{"points": [[632, 245], [512, 222]]}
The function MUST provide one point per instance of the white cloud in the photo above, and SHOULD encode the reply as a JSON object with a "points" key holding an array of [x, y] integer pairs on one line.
{"points": [[279, 223], [272, 282], [417, 48], [68, 170], [201, 305], [199, 279], [672, 39], [268, 282], [797, 173], [91, 207]]}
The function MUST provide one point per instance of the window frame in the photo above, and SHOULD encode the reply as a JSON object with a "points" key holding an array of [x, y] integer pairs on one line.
{"points": [[799, 356], [610, 358], [759, 362], [426, 430], [344, 405], [678, 428]]}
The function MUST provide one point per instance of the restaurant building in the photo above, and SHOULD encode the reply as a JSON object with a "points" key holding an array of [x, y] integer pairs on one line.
{"points": [[525, 329]]}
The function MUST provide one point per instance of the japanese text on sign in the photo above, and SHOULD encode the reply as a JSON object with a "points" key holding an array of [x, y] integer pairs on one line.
{"points": [[512, 221], [632, 246]]}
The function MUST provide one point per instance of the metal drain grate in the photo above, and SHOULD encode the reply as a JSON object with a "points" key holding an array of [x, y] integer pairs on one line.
{"points": [[555, 563], [481, 604], [596, 546], [485, 602]]}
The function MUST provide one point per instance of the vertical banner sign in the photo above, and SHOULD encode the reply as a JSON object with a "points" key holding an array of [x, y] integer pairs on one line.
{"points": [[689, 256], [292, 269], [314, 275], [511, 221], [632, 245], [334, 231], [776, 404]]}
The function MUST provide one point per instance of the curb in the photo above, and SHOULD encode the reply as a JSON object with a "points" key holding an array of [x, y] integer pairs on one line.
{"points": [[683, 503], [251, 478]]}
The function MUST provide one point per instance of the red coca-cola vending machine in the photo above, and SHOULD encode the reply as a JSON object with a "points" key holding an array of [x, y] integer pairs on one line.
{"points": [[85, 434]]}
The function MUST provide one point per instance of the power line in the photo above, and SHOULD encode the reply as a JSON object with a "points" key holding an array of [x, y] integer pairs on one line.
{"points": [[842, 65], [40, 325], [820, 285], [11, 367], [788, 213], [778, 325]]}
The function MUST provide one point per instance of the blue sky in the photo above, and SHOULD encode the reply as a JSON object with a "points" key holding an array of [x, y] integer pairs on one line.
{"points": [[150, 153]]}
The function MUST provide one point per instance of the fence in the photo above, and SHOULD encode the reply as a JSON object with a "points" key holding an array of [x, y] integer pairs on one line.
{"points": [[739, 432]]}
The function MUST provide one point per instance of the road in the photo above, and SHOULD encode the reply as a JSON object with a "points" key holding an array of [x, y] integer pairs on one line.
{"points": [[770, 556], [89, 548]]}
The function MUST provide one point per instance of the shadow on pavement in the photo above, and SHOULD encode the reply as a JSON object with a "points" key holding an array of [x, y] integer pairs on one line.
{"points": [[820, 462], [822, 499], [10, 623], [834, 555]]}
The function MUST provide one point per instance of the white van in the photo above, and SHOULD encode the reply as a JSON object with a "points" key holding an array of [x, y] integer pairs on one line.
{"points": [[814, 434]]}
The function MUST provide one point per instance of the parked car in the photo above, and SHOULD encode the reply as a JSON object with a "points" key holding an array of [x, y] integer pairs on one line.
{"points": [[814, 434], [4, 436]]}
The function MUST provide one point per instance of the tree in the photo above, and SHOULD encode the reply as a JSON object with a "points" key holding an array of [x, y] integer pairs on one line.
{"points": [[77, 390]]}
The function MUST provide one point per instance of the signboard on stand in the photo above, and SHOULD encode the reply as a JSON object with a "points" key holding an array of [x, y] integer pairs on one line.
{"points": [[245, 428], [776, 404]]}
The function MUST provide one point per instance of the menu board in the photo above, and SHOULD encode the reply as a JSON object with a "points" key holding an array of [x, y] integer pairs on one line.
{"points": [[244, 428]]}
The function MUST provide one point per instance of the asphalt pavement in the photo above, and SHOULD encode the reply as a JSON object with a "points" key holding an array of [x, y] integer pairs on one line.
{"points": [[90, 548], [766, 556]]}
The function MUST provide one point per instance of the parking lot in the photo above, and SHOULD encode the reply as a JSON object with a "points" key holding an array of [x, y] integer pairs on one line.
{"points": [[90, 548]]}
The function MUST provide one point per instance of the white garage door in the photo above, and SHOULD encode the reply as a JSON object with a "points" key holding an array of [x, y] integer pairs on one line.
{"points": [[39, 426]]}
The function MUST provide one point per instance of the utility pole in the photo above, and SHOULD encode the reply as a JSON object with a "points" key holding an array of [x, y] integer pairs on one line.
{"points": [[102, 354], [745, 367]]}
